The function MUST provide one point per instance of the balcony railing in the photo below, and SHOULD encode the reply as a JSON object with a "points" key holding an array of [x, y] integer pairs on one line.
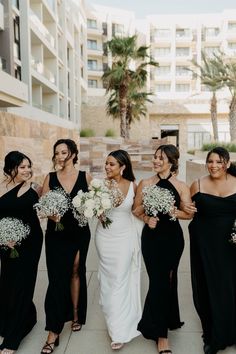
{"points": [[46, 108], [38, 66], [42, 29]]}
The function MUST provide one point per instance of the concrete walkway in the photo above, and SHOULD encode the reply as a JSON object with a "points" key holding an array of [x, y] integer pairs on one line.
{"points": [[93, 339]]}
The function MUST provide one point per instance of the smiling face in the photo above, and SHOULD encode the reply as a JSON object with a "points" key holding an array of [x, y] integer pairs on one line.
{"points": [[161, 163], [216, 165], [24, 171], [112, 167], [63, 155]]}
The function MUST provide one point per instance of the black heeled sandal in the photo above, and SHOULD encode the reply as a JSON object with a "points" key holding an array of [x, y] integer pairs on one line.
{"points": [[165, 351], [76, 326], [50, 346]]}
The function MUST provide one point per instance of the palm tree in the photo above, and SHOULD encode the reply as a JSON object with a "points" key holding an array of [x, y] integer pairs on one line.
{"points": [[209, 75], [120, 78], [228, 74], [136, 107]]}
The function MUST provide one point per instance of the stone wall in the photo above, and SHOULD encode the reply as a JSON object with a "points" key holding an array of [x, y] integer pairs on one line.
{"points": [[33, 138]]}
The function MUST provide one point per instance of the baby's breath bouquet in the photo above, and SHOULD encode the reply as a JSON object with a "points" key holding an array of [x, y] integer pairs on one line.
{"points": [[233, 233], [158, 200], [103, 195], [12, 230], [56, 202]]}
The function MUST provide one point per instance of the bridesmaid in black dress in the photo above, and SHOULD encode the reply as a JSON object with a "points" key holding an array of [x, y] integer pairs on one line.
{"points": [[66, 250], [213, 257], [162, 247], [18, 275]]}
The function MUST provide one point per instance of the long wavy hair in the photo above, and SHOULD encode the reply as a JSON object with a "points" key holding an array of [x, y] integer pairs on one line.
{"points": [[11, 163], [172, 154], [224, 157], [123, 158], [72, 149]]}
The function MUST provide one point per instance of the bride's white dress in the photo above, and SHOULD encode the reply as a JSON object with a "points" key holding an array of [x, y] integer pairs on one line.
{"points": [[118, 249]]}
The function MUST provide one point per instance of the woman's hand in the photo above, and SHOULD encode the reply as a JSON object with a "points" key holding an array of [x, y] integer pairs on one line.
{"points": [[55, 218], [189, 207], [11, 244], [151, 221], [138, 211]]}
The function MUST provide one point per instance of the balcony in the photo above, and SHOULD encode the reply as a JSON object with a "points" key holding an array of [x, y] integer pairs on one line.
{"points": [[183, 35], [13, 93], [95, 71], [42, 107], [94, 31], [38, 26], [95, 51], [38, 66]]}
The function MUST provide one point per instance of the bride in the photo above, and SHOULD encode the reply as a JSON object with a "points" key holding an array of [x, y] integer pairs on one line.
{"points": [[119, 257]]}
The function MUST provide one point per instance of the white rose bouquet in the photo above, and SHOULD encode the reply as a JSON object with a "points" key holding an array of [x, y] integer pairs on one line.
{"points": [[12, 231], [158, 200], [54, 203], [98, 202]]}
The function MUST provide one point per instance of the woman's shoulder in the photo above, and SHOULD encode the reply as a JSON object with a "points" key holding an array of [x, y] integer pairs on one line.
{"points": [[148, 181]]}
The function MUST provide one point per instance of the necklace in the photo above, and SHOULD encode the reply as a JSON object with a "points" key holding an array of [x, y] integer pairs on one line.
{"points": [[170, 174]]}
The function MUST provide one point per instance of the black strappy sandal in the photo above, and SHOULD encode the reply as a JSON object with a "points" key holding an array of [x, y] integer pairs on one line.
{"points": [[76, 326], [50, 346], [165, 351]]}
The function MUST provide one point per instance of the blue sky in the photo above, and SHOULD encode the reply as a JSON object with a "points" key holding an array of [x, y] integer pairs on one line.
{"points": [[148, 7]]}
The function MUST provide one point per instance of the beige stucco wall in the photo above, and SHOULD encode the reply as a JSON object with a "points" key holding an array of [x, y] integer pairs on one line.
{"points": [[33, 138]]}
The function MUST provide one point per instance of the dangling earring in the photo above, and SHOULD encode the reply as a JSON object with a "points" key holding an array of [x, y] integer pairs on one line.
{"points": [[121, 171]]}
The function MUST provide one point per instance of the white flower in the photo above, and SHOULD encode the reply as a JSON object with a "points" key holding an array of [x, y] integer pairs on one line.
{"points": [[77, 201], [89, 203], [96, 183], [88, 213], [106, 203], [158, 200]]}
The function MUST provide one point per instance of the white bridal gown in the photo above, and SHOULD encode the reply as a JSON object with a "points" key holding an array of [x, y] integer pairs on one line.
{"points": [[118, 249]]}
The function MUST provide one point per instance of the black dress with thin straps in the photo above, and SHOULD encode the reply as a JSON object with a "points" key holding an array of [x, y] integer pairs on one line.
{"points": [[213, 267], [18, 275], [61, 249], [162, 248]]}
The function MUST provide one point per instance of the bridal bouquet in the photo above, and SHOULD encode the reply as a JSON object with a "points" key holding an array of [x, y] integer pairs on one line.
{"points": [[103, 195], [54, 203], [12, 230], [233, 233], [158, 200]]}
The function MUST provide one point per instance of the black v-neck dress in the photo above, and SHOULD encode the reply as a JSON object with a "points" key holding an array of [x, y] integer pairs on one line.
{"points": [[162, 248], [61, 249], [18, 275], [213, 268]]}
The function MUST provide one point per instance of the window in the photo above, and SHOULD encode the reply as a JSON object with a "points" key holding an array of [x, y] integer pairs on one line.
{"points": [[17, 72], [182, 32], [182, 87], [162, 51], [163, 70], [117, 29], [69, 115], [211, 50], [182, 71], [232, 26], [92, 64], [92, 83], [163, 88], [104, 28], [91, 23], [16, 25], [182, 51], [212, 31], [161, 32], [92, 44]]}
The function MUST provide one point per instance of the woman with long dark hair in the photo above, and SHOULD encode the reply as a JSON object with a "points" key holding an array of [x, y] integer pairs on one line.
{"points": [[213, 255], [18, 275], [162, 247], [119, 256], [66, 250]]}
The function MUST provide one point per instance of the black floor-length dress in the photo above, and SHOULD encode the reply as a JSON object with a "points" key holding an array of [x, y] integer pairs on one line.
{"points": [[213, 268], [162, 248], [18, 275], [61, 249]]}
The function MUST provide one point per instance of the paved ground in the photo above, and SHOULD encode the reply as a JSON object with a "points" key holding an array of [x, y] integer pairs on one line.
{"points": [[93, 338]]}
